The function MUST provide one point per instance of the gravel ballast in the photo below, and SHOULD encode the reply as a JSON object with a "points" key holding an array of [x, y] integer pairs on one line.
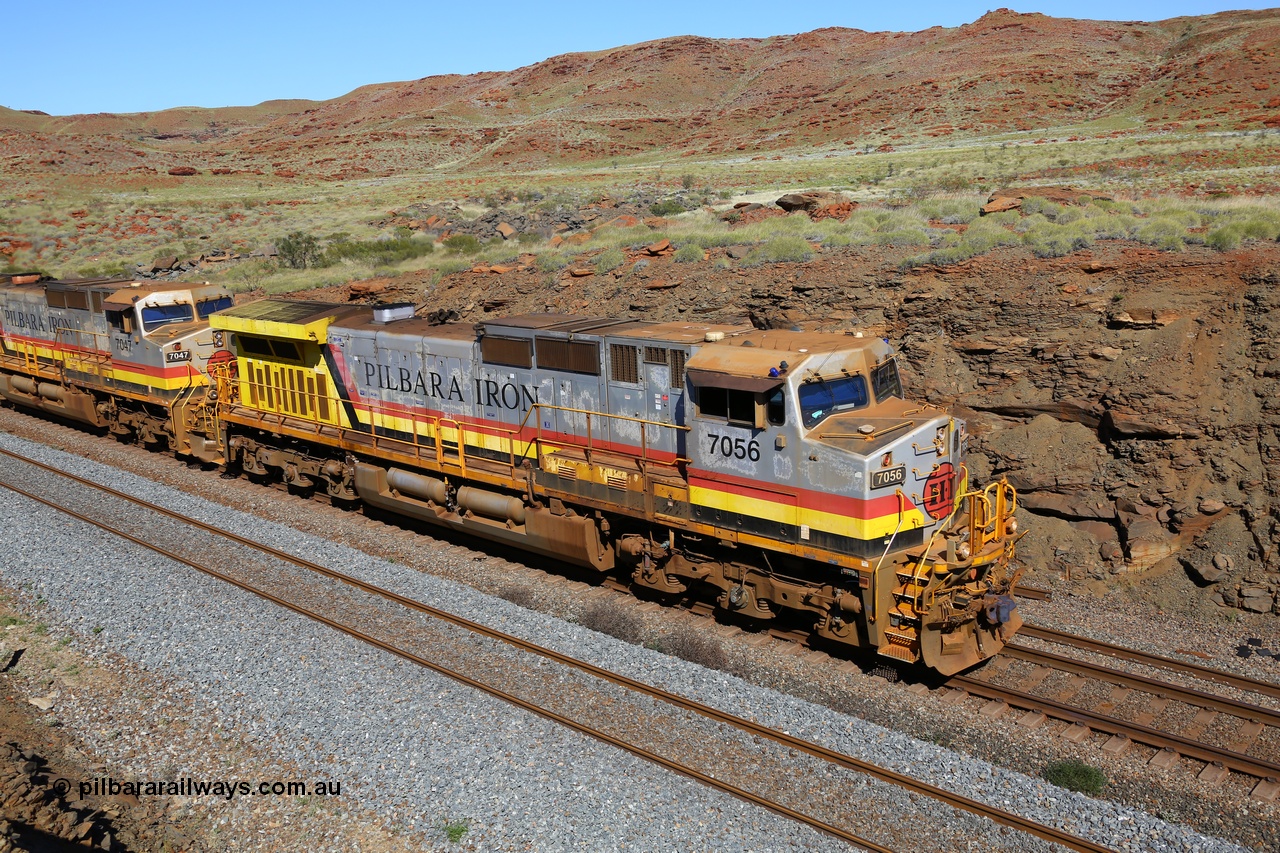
{"points": [[423, 751]]}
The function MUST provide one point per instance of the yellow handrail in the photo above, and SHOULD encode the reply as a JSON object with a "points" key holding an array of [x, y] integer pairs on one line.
{"points": [[991, 528]]}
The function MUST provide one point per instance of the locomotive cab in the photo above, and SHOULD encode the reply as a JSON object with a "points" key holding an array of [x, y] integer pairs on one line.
{"points": [[808, 440], [129, 356]]}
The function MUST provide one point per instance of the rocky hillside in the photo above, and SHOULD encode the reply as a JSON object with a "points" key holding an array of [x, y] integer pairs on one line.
{"points": [[836, 88]]}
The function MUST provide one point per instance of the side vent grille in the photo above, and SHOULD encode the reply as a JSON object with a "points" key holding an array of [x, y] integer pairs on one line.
{"points": [[622, 359], [677, 368]]}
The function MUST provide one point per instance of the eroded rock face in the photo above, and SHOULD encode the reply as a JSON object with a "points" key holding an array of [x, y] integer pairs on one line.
{"points": [[1132, 412]]}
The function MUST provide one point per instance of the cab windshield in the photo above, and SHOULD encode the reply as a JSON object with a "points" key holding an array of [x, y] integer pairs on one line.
{"points": [[155, 316], [205, 307], [819, 400]]}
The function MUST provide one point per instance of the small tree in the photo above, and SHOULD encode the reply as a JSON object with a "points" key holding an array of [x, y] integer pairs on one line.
{"points": [[298, 250]]}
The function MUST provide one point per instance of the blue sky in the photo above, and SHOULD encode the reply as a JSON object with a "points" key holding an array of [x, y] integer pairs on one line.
{"points": [[93, 56]]}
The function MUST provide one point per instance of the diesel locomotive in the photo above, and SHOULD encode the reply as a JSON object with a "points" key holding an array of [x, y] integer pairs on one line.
{"points": [[783, 474]]}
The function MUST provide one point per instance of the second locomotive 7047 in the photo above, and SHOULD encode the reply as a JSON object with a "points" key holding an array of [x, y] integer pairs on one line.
{"points": [[774, 472]]}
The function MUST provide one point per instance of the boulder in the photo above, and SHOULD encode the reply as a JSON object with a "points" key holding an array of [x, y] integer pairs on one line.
{"points": [[505, 231], [1202, 575], [1000, 205], [624, 221], [1256, 599], [1130, 425], [1141, 318], [810, 200], [841, 211], [361, 289], [1148, 543]]}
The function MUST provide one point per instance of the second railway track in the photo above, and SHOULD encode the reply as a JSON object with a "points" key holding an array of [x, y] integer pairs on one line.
{"points": [[709, 714]]}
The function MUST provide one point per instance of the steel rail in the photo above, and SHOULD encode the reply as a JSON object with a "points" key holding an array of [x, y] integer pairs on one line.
{"points": [[1034, 593], [1241, 682], [567, 722], [1188, 695], [1256, 767], [950, 798]]}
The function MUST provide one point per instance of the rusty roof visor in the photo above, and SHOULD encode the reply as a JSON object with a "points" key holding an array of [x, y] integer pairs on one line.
{"points": [[285, 318], [737, 368]]}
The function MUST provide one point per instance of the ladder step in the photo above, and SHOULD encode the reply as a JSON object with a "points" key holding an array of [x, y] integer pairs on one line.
{"points": [[902, 653]]}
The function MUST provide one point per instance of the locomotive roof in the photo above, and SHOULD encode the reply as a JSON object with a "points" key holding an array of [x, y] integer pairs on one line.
{"points": [[741, 347], [748, 357], [285, 318], [122, 290], [419, 326], [126, 292]]}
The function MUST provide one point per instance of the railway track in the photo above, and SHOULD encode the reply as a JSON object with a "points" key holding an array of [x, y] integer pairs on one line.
{"points": [[676, 701], [1130, 711]]}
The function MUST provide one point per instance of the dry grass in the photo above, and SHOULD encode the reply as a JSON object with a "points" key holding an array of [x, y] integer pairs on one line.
{"points": [[902, 192], [614, 619]]}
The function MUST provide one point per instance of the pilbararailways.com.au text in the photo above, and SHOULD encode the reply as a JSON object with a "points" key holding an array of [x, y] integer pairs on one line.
{"points": [[228, 789]]}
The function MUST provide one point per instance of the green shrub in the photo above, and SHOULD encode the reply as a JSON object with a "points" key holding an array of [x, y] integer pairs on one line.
{"points": [[1259, 228], [689, 253], [782, 249], [1163, 233], [1067, 215], [455, 829], [1173, 211], [667, 207], [1224, 238], [525, 238], [379, 253], [903, 237], [609, 260], [711, 239], [1048, 240], [951, 211], [1036, 204], [1075, 776], [941, 257], [462, 244], [552, 261], [298, 250]]}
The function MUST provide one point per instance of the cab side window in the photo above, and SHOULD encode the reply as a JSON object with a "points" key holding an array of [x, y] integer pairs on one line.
{"points": [[121, 321], [775, 406], [737, 408]]}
